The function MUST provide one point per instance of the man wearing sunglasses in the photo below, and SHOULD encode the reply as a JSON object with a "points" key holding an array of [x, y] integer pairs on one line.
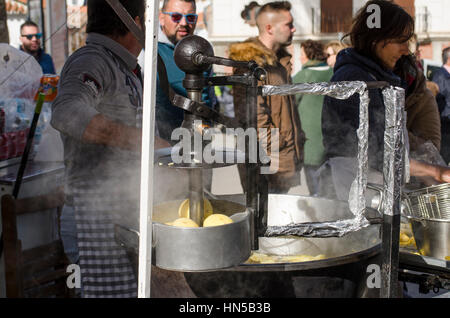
{"points": [[30, 38], [177, 20]]}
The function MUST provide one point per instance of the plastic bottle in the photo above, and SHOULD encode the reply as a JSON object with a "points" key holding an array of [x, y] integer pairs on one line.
{"points": [[23, 121], [44, 120]]}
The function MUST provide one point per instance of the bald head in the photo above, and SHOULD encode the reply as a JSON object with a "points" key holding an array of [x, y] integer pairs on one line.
{"points": [[275, 24]]}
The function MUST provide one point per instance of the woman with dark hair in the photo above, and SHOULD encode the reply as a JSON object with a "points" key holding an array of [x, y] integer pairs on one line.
{"points": [[375, 51]]}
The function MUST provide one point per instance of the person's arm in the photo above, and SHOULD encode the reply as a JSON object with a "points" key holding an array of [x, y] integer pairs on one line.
{"points": [[82, 85], [427, 171], [102, 130], [426, 122]]}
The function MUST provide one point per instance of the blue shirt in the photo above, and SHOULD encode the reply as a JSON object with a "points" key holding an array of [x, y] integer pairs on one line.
{"points": [[45, 61]]}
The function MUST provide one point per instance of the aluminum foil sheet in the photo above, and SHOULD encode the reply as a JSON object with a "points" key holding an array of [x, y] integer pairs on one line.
{"points": [[357, 204], [339, 90], [356, 200], [395, 138], [313, 229]]}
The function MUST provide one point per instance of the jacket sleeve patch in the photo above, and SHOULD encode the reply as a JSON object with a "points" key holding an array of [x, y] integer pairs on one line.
{"points": [[92, 83]]}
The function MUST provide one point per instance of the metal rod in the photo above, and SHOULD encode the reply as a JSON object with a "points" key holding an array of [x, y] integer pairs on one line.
{"points": [[126, 18], [201, 59], [147, 156], [29, 144], [393, 172], [196, 206], [252, 168]]}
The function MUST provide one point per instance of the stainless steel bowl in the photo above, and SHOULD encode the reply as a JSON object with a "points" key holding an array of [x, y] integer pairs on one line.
{"points": [[204, 248], [432, 236]]}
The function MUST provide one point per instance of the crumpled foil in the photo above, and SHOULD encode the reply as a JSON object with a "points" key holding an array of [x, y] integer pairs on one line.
{"points": [[315, 229], [356, 199], [357, 204], [395, 137], [339, 90]]}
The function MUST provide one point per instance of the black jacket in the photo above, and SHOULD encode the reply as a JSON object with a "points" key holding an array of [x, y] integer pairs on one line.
{"points": [[442, 78], [340, 118]]}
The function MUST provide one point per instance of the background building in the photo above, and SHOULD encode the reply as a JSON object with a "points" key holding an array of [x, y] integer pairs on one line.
{"points": [[64, 22], [17, 12], [326, 20]]}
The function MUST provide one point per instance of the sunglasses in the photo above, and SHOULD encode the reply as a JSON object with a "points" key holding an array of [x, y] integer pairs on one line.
{"points": [[191, 18], [30, 36]]}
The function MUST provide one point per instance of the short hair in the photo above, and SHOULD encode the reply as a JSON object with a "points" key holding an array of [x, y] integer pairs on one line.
{"points": [[275, 7], [102, 18], [165, 2], [336, 46], [395, 23], [28, 23], [314, 50], [445, 55]]}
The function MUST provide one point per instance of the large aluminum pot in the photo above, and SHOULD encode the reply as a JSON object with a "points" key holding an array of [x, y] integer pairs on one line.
{"points": [[204, 248], [342, 274], [432, 236]]}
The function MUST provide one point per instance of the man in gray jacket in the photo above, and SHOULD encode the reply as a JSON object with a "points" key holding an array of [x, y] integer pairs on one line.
{"points": [[98, 112]]}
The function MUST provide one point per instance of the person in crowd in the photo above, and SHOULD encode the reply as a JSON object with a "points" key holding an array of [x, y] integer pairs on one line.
{"points": [[314, 70], [30, 37], [249, 13], [98, 111], [422, 121], [268, 49], [177, 20], [373, 57], [442, 78], [332, 48]]}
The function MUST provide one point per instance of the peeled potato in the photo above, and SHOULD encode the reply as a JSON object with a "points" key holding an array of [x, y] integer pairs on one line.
{"points": [[216, 220], [183, 210], [258, 258], [184, 222], [404, 238]]}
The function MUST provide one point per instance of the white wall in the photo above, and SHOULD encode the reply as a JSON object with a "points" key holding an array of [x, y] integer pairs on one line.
{"points": [[439, 11], [14, 22]]}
